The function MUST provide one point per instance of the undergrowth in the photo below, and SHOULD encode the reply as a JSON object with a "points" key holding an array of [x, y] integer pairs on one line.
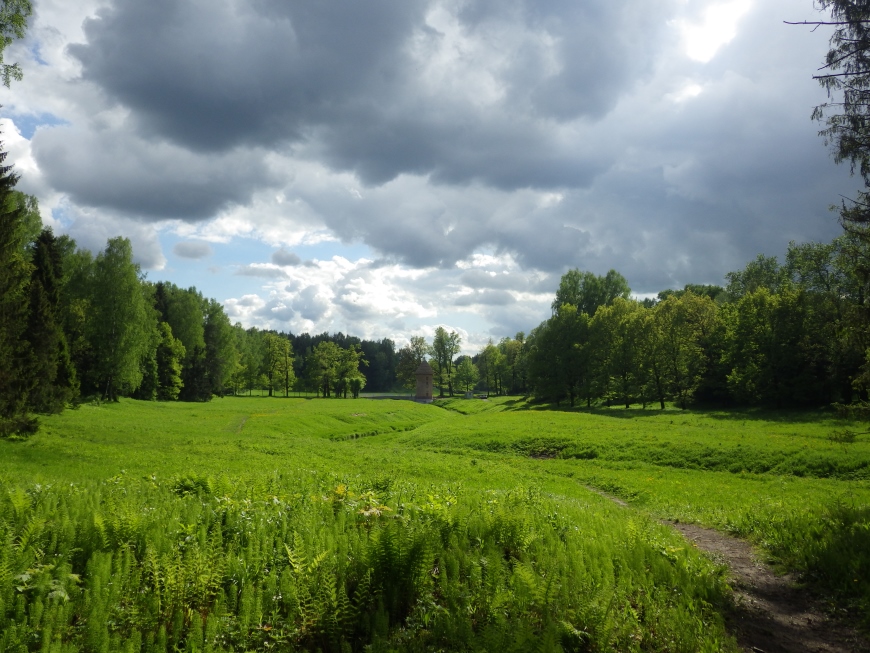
{"points": [[293, 563]]}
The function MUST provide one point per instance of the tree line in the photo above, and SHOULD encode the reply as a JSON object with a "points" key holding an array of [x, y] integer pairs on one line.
{"points": [[791, 334], [499, 368], [776, 334]]}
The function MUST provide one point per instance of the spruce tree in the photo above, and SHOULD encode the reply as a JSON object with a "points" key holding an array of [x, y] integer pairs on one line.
{"points": [[54, 381], [14, 277]]}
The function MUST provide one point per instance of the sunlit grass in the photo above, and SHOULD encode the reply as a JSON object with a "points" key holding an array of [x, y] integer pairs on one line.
{"points": [[467, 524]]}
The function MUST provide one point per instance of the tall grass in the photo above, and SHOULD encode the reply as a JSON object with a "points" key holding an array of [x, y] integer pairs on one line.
{"points": [[303, 562], [256, 524]]}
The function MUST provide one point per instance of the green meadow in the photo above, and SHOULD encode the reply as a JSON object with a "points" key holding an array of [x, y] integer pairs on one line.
{"points": [[257, 524]]}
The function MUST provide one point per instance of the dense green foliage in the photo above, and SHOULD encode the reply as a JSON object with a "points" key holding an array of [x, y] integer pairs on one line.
{"points": [[255, 524], [14, 15], [777, 335]]}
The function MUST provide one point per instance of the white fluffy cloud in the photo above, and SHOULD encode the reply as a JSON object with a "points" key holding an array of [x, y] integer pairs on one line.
{"points": [[376, 299]]}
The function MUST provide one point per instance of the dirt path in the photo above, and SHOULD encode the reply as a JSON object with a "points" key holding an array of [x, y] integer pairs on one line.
{"points": [[772, 614]]}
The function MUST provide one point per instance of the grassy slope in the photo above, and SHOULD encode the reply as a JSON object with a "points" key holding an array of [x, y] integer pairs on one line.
{"points": [[808, 505], [672, 464]]}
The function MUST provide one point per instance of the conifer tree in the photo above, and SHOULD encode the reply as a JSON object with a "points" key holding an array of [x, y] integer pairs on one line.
{"points": [[14, 277], [53, 377]]}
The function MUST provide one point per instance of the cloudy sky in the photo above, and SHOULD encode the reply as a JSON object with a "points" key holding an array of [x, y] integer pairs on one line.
{"points": [[382, 167]]}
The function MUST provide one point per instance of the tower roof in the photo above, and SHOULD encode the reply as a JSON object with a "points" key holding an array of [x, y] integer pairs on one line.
{"points": [[424, 368]]}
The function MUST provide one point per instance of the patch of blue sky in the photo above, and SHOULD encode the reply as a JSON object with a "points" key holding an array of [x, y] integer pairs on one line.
{"points": [[61, 214], [37, 56], [215, 275], [27, 124], [212, 280]]}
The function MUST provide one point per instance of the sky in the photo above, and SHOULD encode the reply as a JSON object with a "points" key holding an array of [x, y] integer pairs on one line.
{"points": [[382, 168]]}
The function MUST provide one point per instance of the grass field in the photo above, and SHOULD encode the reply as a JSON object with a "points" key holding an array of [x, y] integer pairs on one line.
{"points": [[350, 525]]}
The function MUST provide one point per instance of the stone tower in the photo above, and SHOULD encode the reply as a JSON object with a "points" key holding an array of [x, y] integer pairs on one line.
{"points": [[424, 383]]}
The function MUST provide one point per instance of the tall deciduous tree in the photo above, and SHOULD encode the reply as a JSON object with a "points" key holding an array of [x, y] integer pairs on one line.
{"points": [[74, 309], [444, 348], [763, 272], [253, 355], [184, 309], [682, 324], [514, 356], [587, 291], [410, 358], [620, 330], [323, 367], [350, 377], [170, 355], [120, 325], [466, 374], [560, 357], [277, 362], [221, 355]]}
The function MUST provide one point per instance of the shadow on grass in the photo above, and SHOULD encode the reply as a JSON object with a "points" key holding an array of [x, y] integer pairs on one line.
{"points": [[833, 555]]}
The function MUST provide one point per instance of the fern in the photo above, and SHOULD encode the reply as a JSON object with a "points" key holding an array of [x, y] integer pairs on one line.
{"points": [[100, 528], [6, 572], [29, 535], [20, 502], [315, 563]]}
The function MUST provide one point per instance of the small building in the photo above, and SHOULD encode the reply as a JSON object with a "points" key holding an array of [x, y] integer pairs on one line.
{"points": [[425, 374]]}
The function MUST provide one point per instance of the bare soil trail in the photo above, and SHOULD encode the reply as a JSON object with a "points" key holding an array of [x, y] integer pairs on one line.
{"points": [[772, 614]]}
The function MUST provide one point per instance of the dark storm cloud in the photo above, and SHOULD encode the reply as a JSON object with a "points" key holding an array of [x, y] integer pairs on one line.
{"points": [[457, 123], [217, 75], [108, 168], [193, 250], [459, 150], [339, 77], [592, 41]]}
